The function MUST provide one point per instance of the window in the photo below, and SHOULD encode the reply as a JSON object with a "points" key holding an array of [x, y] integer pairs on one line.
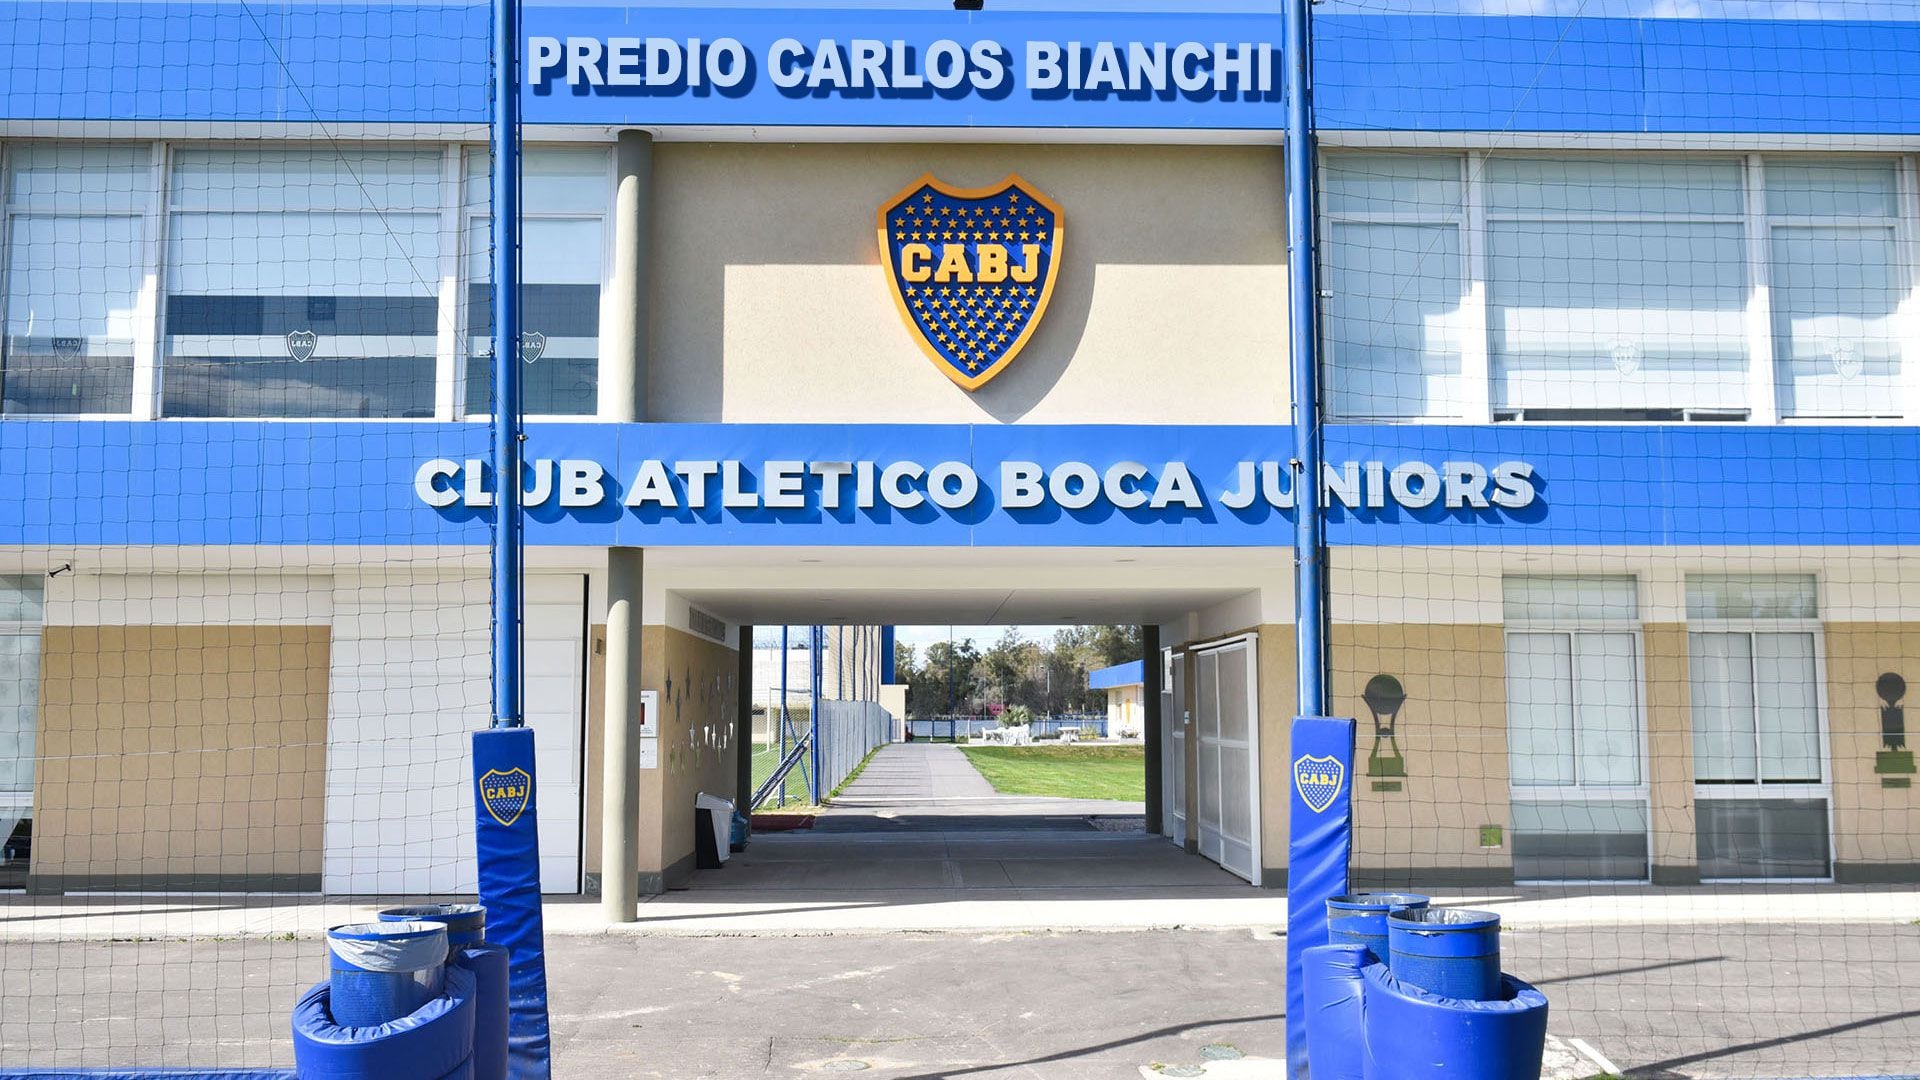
{"points": [[1574, 728], [302, 282], [1654, 287], [564, 204], [1616, 285], [1754, 670], [19, 709], [74, 239], [1837, 287], [1395, 272]]}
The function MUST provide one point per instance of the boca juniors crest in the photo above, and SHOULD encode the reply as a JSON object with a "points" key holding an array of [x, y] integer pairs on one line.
{"points": [[971, 270], [1319, 779], [505, 794]]}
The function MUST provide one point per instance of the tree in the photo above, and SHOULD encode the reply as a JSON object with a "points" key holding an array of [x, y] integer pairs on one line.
{"points": [[1045, 678], [946, 682]]}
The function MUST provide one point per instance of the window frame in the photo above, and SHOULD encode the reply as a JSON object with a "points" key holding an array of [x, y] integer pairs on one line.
{"points": [[151, 243], [1472, 385], [29, 628], [1580, 792], [467, 218], [1760, 788], [1904, 223], [1763, 384], [164, 199]]}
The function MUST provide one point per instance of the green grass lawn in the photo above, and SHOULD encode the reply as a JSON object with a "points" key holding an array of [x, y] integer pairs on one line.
{"points": [[765, 758], [1066, 772]]}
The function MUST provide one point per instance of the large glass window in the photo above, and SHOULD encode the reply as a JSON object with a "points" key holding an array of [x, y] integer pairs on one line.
{"points": [[302, 282], [1837, 287], [1574, 728], [20, 602], [1758, 749], [564, 202], [74, 240], [1395, 272], [1616, 287]]}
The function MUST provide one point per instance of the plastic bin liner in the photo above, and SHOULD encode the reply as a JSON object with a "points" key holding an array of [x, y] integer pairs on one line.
{"points": [[1409, 1034], [1334, 1010], [721, 821], [466, 923], [1451, 952], [382, 971], [434, 1040], [488, 963], [1361, 918]]}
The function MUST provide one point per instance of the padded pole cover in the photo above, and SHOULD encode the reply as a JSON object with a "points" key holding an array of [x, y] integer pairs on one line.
{"points": [[432, 1041], [507, 843], [1413, 1035], [1319, 845], [1334, 1011]]}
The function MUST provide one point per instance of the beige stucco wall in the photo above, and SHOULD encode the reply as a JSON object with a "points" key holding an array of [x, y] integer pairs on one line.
{"points": [[182, 754], [1676, 848], [1452, 735], [698, 681], [770, 302], [1873, 823], [1277, 700], [1125, 712]]}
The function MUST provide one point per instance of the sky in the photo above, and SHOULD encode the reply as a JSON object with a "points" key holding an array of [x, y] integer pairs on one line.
{"points": [[922, 636]]}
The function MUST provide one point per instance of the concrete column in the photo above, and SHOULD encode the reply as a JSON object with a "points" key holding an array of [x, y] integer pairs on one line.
{"points": [[620, 752], [623, 399], [624, 320], [1152, 727]]}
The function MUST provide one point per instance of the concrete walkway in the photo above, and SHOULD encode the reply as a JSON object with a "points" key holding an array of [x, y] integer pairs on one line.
{"points": [[921, 838], [931, 787]]}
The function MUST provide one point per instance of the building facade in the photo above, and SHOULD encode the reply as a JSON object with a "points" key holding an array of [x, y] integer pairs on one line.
{"points": [[1621, 362]]}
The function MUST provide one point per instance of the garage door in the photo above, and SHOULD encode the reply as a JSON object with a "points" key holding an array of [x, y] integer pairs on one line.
{"points": [[408, 687], [1227, 765]]}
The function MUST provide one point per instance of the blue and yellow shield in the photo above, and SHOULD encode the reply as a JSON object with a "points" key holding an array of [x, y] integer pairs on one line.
{"points": [[1318, 779], [971, 270], [505, 794]]}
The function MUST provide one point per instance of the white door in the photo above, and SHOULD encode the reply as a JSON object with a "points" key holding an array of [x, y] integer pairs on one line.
{"points": [[1227, 779], [410, 683], [1173, 747], [556, 684]]}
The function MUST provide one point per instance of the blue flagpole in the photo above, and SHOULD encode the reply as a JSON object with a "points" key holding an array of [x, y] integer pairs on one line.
{"points": [[1318, 850], [506, 367], [506, 786]]}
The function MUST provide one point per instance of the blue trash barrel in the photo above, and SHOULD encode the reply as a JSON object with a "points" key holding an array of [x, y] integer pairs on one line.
{"points": [[1450, 952], [1361, 918], [382, 971], [466, 923]]}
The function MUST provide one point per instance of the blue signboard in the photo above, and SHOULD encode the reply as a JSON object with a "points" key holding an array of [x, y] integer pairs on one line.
{"points": [[901, 68], [182, 482]]}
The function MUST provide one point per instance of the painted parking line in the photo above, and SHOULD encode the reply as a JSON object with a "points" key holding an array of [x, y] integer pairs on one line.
{"points": [[1595, 1056]]}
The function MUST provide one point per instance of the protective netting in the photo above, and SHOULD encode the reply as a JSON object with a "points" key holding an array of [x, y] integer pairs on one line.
{"points": [[1621, 355], [787, 683], [1664, 732], [225, 719]]}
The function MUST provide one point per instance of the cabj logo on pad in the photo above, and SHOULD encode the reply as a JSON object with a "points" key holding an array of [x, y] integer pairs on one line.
{"points": [[505, 794], [971, 270], [1319, 780]]}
